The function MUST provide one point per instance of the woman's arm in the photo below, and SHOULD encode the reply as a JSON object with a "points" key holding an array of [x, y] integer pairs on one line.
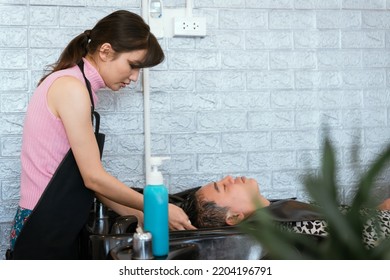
{"points": [[68, 99], [122, 210]]}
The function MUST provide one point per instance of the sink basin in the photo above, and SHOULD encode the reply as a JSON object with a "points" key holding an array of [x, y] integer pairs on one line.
{"points": [[101, 245], [176, 252], [110, 236], [226, 243], [100, 235]]}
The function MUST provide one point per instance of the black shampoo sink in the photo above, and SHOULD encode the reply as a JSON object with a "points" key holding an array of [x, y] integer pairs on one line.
{"points": [[226, 243]]}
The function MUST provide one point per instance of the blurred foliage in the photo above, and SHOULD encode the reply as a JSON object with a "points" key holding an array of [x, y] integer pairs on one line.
{"points": [[345, 230]]}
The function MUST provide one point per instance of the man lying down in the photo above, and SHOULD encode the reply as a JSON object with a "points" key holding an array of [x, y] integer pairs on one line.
{"points": [[231, 200]]}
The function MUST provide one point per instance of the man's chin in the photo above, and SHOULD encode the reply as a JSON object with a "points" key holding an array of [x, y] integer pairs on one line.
{"points": [[252, 182]]}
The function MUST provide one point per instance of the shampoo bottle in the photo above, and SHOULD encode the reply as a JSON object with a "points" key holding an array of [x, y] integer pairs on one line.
{"points": [[156, 209]]}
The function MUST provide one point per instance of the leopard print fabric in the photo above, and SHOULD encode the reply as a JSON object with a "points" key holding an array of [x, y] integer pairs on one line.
{"points": [[316, 227], [370, 236]]}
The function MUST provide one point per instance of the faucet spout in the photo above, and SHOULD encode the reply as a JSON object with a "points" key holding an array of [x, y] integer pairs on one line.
{"points": [[100, 223], [100, 210]]}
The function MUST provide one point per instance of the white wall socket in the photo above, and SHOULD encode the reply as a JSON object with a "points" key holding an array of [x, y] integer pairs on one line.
{"points": [[189, 27]]}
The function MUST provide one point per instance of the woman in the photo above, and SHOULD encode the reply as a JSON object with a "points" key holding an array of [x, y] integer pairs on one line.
{"points": [[61, 152]]}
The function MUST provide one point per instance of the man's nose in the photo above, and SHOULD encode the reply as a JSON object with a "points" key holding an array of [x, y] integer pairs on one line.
{"points": [[229, 179]]}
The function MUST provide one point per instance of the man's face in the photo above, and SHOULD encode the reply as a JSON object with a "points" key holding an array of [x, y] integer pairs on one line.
{"points": [[238, 194]]}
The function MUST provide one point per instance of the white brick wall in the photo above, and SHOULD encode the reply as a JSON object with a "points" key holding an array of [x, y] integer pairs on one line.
{"points": [[248, 99]]}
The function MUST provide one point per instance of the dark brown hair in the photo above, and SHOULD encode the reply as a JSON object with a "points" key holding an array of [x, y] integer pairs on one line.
{"points": [[203, 213], [123, 30]]}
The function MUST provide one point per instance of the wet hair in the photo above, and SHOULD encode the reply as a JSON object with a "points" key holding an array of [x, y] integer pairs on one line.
{"points": [[203, 213], [123, 30]]}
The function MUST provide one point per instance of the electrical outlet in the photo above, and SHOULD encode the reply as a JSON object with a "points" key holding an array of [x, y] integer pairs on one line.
{"points": [[189, 27]]}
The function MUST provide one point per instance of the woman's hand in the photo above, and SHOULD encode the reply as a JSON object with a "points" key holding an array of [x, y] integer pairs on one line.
{"points": [[178, 219]]}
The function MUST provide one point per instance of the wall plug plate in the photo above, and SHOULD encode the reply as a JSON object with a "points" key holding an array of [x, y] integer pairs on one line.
{"points": [[189, 27]]}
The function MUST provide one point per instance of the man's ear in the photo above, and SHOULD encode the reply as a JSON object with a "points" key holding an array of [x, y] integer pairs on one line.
{"points": [[234, 218], [105, 51]]}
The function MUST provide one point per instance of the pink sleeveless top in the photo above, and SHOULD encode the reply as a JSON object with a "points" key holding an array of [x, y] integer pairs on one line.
{"points": [[44, 139]]}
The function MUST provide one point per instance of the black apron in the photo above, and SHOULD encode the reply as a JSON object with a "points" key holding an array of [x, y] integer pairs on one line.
{"points": [[53, 228]]}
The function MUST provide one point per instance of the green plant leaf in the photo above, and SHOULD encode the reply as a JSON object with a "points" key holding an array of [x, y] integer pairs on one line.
{"points": [[345, 227]]}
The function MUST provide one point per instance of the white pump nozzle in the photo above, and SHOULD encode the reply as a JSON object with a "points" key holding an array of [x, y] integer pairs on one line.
{"points": [[157, 161], [155, 177]]}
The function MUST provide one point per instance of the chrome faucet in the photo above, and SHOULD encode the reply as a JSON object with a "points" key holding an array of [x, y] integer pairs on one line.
{"points": [[101, 221], [100, 209]]}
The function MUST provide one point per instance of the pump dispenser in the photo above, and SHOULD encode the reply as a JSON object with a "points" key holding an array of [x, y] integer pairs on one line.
{"points": [[156, 209]]}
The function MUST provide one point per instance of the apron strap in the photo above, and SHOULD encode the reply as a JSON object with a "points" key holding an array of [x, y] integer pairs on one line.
{"points": [[94, 115], [87, 83]]}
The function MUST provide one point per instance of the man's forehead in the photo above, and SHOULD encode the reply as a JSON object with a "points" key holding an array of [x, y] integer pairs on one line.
{"points": [[206, 190]]}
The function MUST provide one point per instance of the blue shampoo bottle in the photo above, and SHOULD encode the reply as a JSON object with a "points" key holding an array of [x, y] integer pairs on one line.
{"points": [[156, 209]]}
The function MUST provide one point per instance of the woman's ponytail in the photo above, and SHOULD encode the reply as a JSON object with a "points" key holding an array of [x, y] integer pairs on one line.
{"points": [[123, 30], [72, 54]]}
